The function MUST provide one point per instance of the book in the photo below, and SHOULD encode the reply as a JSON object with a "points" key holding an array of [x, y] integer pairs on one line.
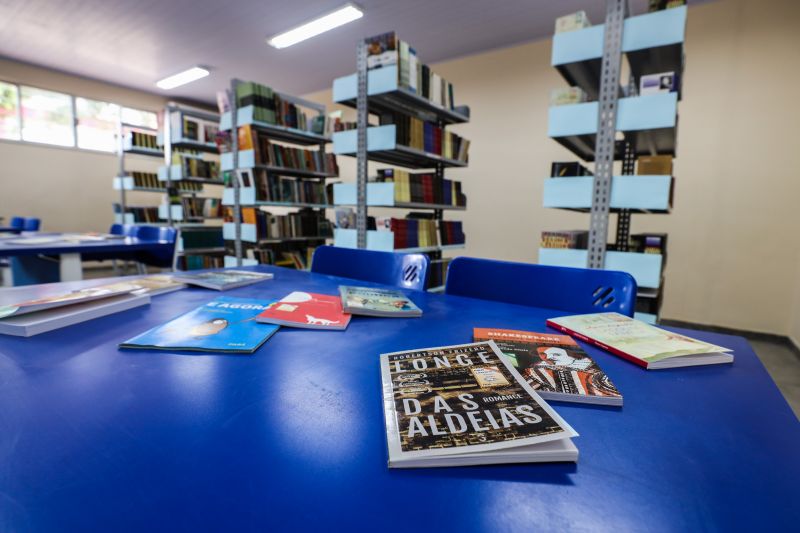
{"points": [[572, 22], [222, 280], [34, 299], [377, 302], [647, 346], [569, 239], [157, 284], [225, 325], [553, 365], [307, 310], [466, 405], [567, 96], [662, 82], [27, 325]]}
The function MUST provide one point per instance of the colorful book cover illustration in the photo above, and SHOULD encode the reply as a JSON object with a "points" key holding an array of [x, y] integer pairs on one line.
{"points": [[553, 365], [307, 310], [461, 399], [376, 302], [221, 325]]}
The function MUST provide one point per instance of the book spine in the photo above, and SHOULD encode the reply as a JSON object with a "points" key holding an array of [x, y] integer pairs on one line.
{"points": [[610, 349]]}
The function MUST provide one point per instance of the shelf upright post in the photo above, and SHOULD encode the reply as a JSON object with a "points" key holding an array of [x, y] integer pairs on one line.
{"points": [[237, 205], [606, 131], [121, 169], [361, 150], [168, 158]]}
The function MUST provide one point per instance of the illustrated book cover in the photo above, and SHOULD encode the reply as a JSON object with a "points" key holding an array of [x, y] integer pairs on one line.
{"points": [[553, 365], [640, 343], [307, 310], [466, 405], [222, 280], [225, 325], [377, 302]]}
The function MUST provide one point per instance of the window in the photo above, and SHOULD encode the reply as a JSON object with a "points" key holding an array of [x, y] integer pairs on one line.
{"points": [[47, 117], [137, 117], [97, 124], [9, 111]]}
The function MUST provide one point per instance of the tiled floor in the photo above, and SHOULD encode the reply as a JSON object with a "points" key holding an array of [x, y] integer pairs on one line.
{"points": [[783, 364]]}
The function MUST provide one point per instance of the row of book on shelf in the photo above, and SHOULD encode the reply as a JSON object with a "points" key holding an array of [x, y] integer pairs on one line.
{"points": [[269, 107], [646, 243], [422, 187], [194, 166], [191, 128], [416, 230], [139, 213], [149, 180], [646, 165], [303, 223], [133, 139], [427, 136], [482, 401], [194, 207], [270, 187], [580, 20]]}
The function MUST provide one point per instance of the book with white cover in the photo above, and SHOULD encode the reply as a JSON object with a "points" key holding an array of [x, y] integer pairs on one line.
{"points": [[466, 405], [222, 280]]}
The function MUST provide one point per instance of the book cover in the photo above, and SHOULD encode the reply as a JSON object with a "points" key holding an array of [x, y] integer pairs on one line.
{"points": [[222, 280], [640, 343], [377, 302], [224, 325], [307, 310], [40, 298], [461, 405], [553, 365]]}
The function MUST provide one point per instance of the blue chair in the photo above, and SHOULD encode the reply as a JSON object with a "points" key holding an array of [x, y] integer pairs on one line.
{"points": [[162, 258], [571, 290], [31, 224], [406, 271], [17, 223], [129, 230]]}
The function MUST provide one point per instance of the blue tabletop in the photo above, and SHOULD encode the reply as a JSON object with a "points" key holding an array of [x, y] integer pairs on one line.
{"points": [[127, 244], [292, 437], [9, 229]]}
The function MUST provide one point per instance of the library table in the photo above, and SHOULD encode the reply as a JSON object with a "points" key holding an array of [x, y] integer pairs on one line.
{"points": [[292, 437], [69, 253]]}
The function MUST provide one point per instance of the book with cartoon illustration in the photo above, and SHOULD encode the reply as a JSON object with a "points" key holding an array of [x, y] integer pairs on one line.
{"points": [[222, 280], [553, 365], [377, 302], [307, 310], [225, 325], [466, 405]]}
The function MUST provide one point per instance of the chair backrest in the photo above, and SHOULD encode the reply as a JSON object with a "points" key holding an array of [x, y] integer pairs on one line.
{"points": [[164, 257], [406, 271], [31, 224], [129, 230], [17, 222], [572, 290]]}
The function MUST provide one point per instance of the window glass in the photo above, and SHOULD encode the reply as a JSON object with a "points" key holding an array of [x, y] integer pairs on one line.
{"points": [[47, 117], [97, 124], [9, 111], [137, 117]]}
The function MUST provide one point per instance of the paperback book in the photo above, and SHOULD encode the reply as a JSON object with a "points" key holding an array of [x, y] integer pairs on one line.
{"points": [[466, 405], [225, 325], [553, 365], [377, 302], [222, 280], [641, 343], [307, 310]]}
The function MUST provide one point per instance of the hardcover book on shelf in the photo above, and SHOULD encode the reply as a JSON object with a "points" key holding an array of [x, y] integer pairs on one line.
{"points": [[647, 346], [466, 405], [377, 302], [222, 280], [307, 310], [553, 365], [225, 325]]}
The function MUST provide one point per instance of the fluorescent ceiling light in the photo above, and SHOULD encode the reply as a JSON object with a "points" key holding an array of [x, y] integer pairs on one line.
{"points": [[182, 78], [341, 16]]}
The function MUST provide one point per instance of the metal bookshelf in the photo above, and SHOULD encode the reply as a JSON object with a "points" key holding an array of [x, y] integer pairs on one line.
{"points": [[123, 181], [591, 58], [375, 92], [237, 160]]}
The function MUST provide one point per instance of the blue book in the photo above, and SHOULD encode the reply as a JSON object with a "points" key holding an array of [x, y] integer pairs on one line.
{"points": [[224, 325]]}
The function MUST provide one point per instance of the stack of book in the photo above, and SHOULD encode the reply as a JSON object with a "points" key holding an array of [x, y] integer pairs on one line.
{"points": [[572, 239], [409, 232], [270, 154], [386, 50], [427, 136], [304, 223], [269, 107], [451, 232], [423, 188], [139, 139], [140, 214]]}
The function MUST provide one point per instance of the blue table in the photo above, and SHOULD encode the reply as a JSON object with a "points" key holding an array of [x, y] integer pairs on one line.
{"points": [[70, 254], [292, 437], [9, 229]]}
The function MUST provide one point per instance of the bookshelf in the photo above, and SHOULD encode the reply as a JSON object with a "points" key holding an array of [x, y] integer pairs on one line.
{"points": [[287, 197], [136, 145], [404, 90], [637, 125]]}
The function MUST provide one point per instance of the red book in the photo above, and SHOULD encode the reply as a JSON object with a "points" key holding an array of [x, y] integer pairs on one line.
{"points": [[307, 310]]}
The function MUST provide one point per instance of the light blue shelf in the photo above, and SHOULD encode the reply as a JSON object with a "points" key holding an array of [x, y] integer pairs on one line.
{"points": [[639, 193], [383, 147], [230, 261], [645, 268], [244, 117]]}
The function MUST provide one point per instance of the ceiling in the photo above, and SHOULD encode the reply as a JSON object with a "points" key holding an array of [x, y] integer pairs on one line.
{"points": [[133, 43]]}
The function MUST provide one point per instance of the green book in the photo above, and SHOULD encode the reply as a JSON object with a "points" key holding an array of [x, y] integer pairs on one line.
{"points": [[377, 302]]}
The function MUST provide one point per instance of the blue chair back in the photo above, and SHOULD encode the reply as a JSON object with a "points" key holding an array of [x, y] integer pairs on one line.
{"points": [[129, 230], [406, 271], [31, 224], [164, 257], [571, 290], [17, 223]]}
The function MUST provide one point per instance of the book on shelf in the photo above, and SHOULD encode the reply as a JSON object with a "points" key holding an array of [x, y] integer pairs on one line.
{"points": [[307, 310], [649, 243], [658, 5], [409, 232], [277, 155], [577, 239], [195, 207], [572, 22], [189, 128], [422, 187], [270, 107], [555, 366], [304, 223], [133, 139], [661, 82], [427, 137], [451, 233], [567, 96], [224, 325], [140, 213], [193, 166], [642, 344], [297, 255], [201, 237], [345, 218], [657, 165], [270, 187], [564, 169], [437, 272], [223, 280], [149, 180], [371, 301], [189, 261], [466, 405]]}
